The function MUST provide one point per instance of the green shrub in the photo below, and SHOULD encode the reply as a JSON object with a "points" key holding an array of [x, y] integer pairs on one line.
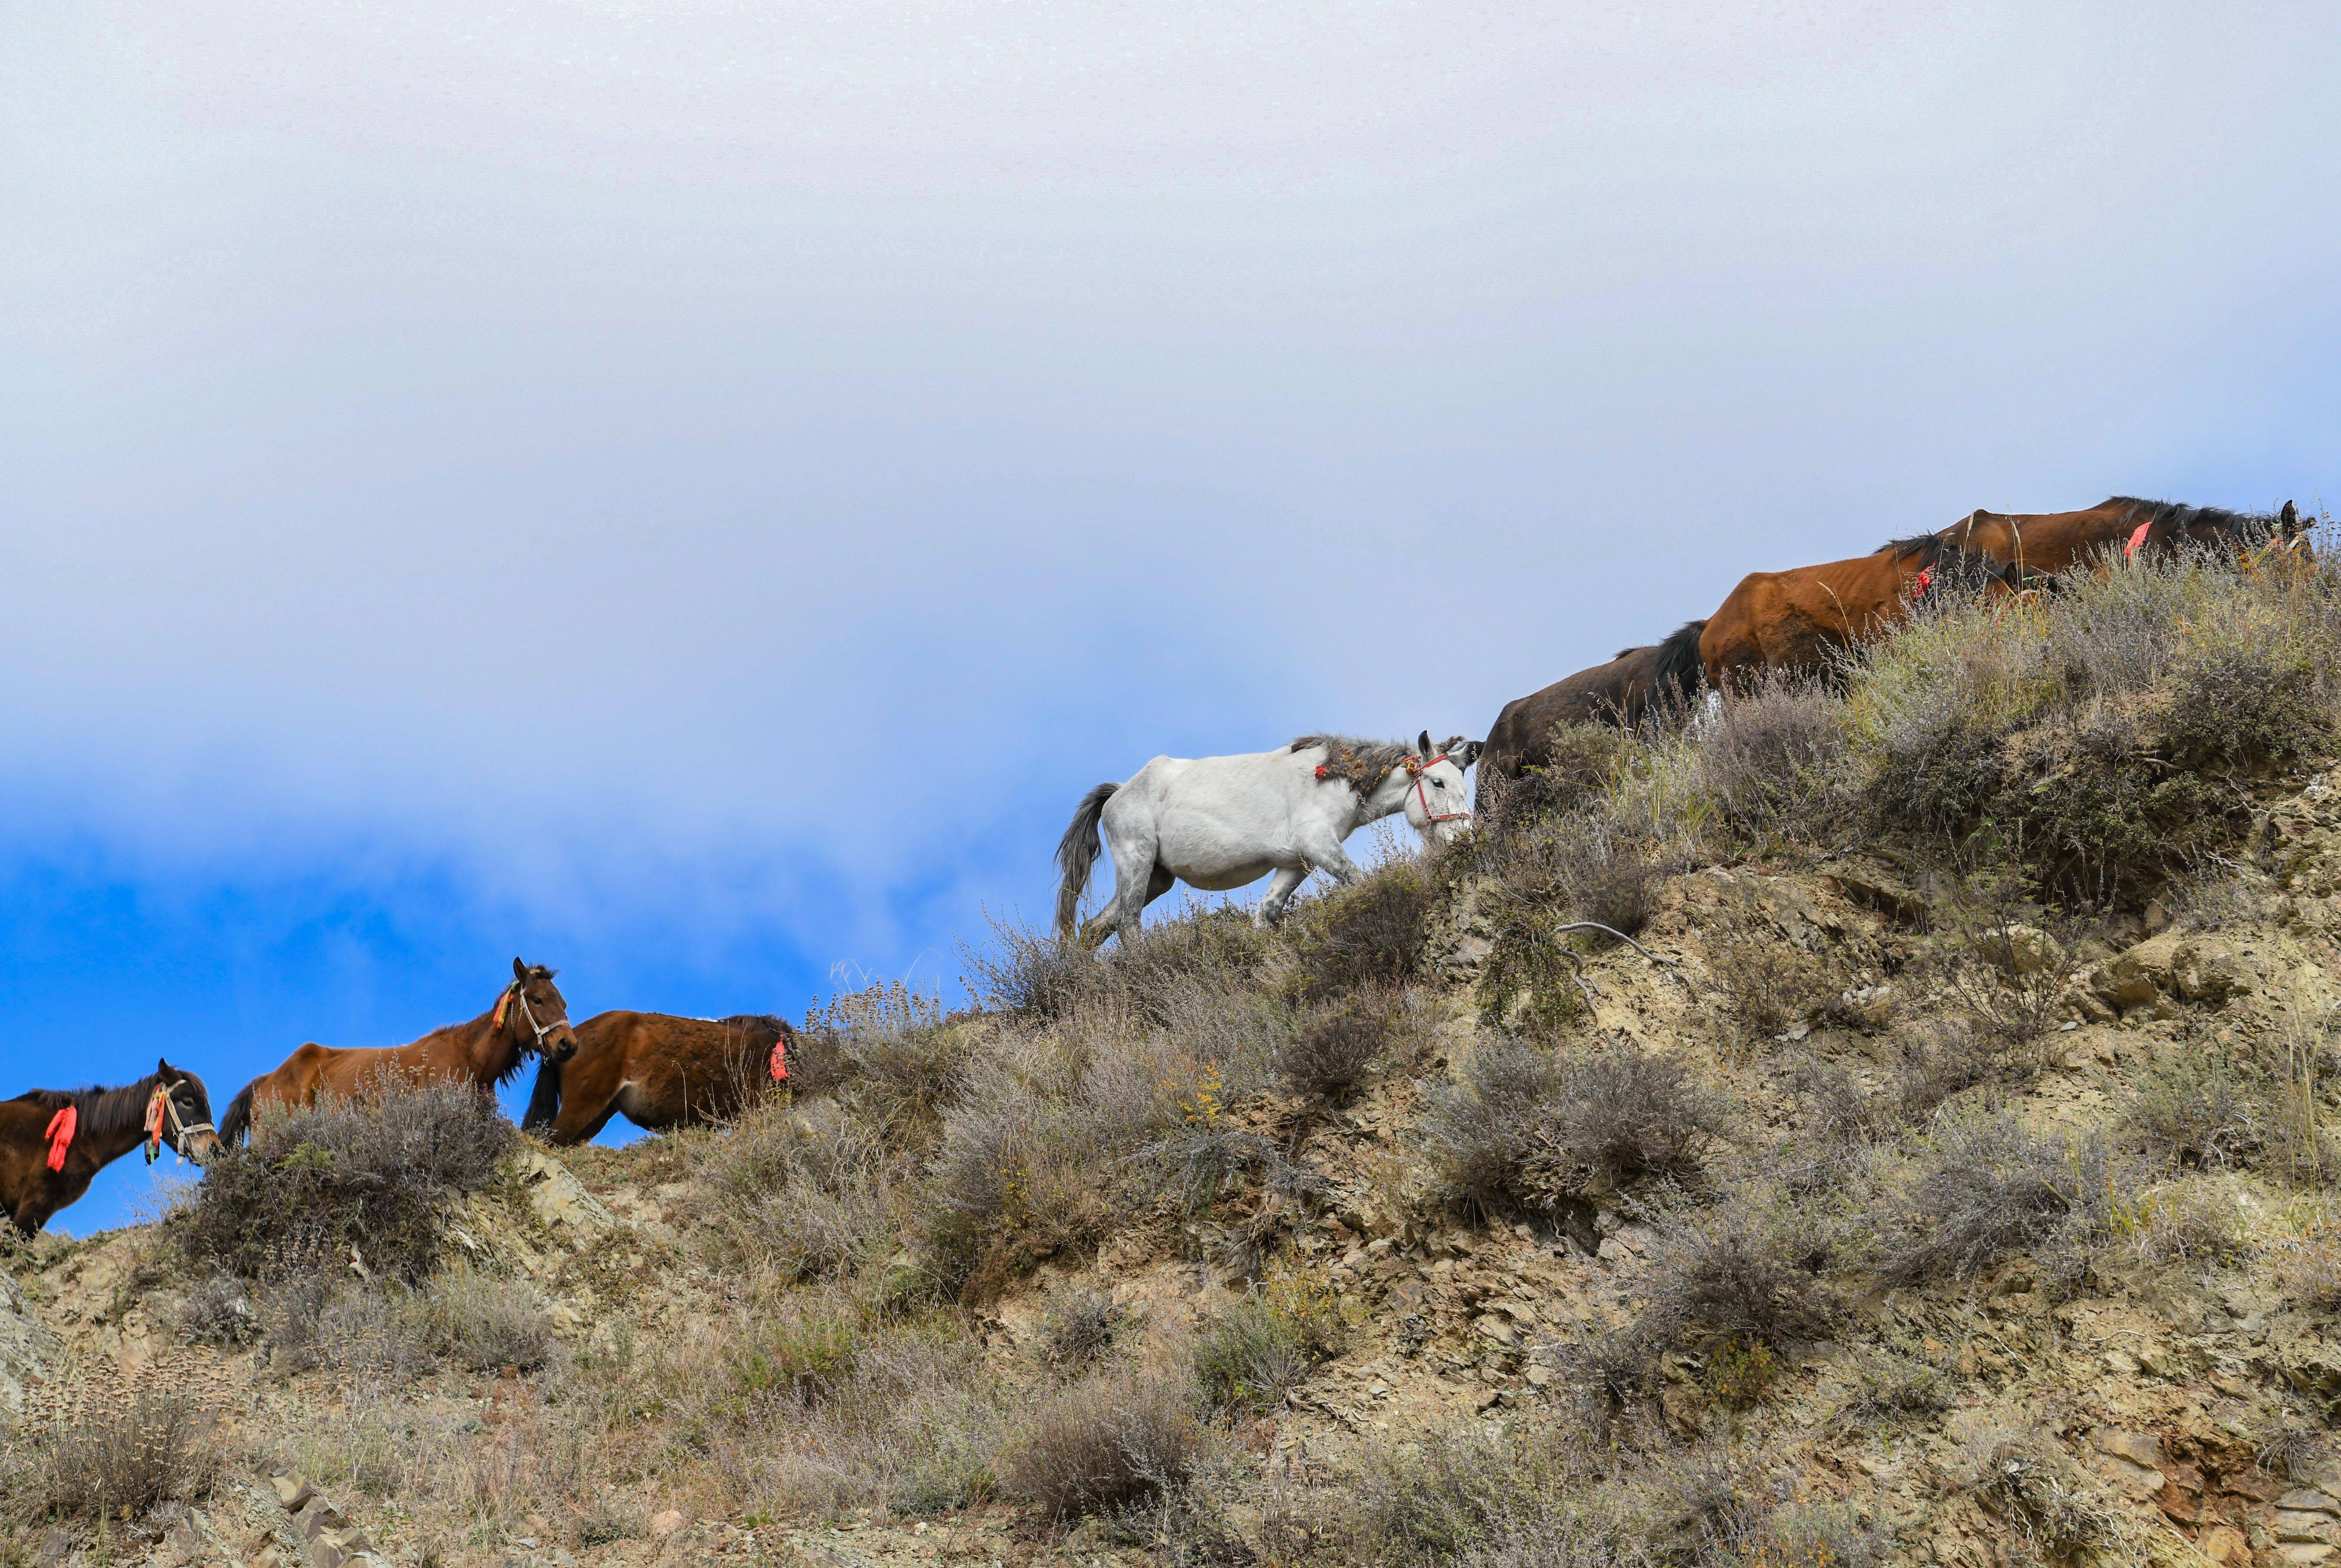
{"points": [[1252, 1354]]}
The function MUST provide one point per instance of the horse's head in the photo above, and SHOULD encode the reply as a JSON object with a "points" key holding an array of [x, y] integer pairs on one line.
{"points": [[180, 1114], [1437, 796], [534, 1010]]}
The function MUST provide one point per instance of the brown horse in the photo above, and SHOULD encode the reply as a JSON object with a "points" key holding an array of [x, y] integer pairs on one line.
{"points": [[1796, 619], [53, 1142], [2048, 543], [486, 1052], [661, 1071], [1621, 692]]}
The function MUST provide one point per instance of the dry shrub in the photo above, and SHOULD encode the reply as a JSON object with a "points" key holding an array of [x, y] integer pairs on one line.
{"points": [[1030, 975], [2028, 1479], [479, 1323], [1023, 1172], [889, 1053], [2308, 1270], [1077, 1326], [1985, 1186], [1106, 1442], [1369, 932], [1469, 1495], [1334, 1045], [815, 1192], [1527, 1129], [1252, 1354], [116, 1462], [1774, 759], [1583, 760], [1891, 1386], [2195, 1111], [794, 1403], [1764, 984], [368, 1178]]}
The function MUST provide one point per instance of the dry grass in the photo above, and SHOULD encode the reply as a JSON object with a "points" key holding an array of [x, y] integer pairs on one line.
{"points": [[1106, 1442], [116, 1462]]}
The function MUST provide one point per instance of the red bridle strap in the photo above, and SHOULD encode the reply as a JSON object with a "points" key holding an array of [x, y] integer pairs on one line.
{"points": [[1414, 765]]}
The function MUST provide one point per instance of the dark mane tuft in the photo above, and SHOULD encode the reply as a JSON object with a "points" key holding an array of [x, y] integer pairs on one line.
{"points": [[1680, 673], [1361, 765], [102, 1111], [2249, 527]]}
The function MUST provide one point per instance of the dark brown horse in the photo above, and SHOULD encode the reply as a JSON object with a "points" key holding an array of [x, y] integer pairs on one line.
{"points": [[53, 1142], [2048, 543], [1621, 692], [486, 1052], [1797, 620], [660, 1071]]}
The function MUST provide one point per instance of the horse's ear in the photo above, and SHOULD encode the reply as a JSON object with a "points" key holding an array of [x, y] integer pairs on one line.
{"points": [[161, 1067], [520, 970], [1423, 746], [2288, 520]]}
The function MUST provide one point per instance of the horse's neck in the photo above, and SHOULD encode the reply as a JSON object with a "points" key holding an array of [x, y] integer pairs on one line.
{"points": [[490, 1051], [128, 1128]]}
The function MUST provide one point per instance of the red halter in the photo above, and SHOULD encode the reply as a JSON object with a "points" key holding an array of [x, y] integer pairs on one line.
{"points": [[1414, 766]]}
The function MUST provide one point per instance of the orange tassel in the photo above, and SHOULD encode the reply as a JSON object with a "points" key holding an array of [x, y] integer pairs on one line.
{"points": [[61, 1135]]}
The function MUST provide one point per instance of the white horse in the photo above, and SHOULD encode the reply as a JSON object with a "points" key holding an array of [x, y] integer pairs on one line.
{"points": [[1218, 823]]}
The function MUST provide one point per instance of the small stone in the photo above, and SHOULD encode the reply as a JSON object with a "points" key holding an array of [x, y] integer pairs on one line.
{"points": [[2304, 1500], [666, 1523], [2294, 1554], [2293, 1525], [2224, 1547], [1540, 1376], [292, 1492], [2137, 1448]]}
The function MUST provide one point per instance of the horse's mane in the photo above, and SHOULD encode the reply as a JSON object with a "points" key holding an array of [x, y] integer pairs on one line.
{"points": [[1361, 765], [2250, 526], [1679, 667], [1932, 551], [755, 1021], [103, 1110]]}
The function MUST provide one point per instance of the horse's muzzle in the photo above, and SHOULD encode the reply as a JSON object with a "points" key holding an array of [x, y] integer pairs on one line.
{"points": [[201, 1148], [564, 1048]]}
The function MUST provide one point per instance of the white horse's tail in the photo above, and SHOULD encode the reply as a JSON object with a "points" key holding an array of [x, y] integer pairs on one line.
{"points": [[1076, 852]]}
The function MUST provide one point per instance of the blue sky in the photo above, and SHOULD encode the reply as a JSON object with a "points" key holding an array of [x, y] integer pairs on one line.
{"points": [[693, 494]]}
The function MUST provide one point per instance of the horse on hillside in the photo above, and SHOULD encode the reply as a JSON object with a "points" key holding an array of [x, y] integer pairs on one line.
{"points": [[1218, 823], [2048, 543], [53, 1142], [530, 1015], [1796, 619], [1663, 675], [658, 1071]]}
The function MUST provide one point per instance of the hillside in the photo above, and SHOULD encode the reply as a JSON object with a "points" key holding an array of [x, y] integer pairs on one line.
{"points": [[1928, 1163]]}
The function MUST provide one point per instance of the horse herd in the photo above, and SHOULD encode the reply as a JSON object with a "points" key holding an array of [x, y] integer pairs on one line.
{"points": [[1218, 823], [1213, 823], [657, 1070]]}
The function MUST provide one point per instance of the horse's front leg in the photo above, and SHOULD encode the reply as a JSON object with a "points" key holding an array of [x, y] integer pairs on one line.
{"points": [[1280, 893]]}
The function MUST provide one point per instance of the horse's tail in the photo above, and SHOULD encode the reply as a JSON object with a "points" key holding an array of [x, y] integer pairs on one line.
{"points": [[544, 1101], [1076, 852], [237, 1116]]}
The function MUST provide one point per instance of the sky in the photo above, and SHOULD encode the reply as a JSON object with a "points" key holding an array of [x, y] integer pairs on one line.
{"points": [[695, 493]]}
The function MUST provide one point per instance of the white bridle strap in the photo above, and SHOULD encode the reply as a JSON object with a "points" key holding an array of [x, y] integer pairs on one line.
{"points": [[180, 1130], [519, 994]]}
